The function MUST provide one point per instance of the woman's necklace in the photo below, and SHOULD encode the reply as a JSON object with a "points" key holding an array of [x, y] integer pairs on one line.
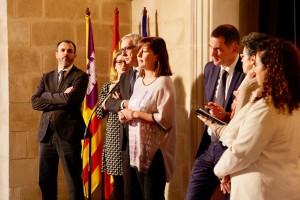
{"points": [[148, 81]]}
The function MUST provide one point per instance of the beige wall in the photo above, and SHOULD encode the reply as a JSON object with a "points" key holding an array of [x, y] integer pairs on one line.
{"points": [[34, 27], [29, 32]]}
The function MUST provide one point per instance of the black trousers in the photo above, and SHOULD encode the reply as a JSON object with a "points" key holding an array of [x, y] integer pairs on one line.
{"points": [[154, 182], [118, 191], [69, 153], [132, 189]]}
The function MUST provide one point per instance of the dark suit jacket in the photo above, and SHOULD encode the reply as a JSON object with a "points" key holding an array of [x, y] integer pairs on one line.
{"points": [[61, 111], [211, 76], [114, 105]]}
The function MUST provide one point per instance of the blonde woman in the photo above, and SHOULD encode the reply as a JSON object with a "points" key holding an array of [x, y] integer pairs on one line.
{"points": [[111, 155]]}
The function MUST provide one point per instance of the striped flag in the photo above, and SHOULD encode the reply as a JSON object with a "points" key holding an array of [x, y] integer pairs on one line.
{"points": [[90, 104], [144, 23], [115, 42], [108, 180]]}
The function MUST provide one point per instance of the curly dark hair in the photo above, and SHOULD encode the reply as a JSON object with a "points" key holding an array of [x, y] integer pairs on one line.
{"points": [[251, 41], [281, 86]]}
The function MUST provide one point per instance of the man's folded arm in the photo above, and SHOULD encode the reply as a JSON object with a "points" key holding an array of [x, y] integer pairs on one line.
{"points": [[39, 103], [68, 99], [113, 105]]}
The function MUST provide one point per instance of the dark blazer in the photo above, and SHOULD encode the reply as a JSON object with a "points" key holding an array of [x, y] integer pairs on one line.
{"points": [[211, 76], [61, 111], [114, 105]]}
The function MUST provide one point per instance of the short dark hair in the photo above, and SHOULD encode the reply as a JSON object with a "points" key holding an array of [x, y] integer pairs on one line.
{"points": [[158, 45], [251, 41], [229, 32], [68, 42]]}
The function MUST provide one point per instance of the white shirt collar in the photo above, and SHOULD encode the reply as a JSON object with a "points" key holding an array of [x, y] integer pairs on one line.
{"points": [[231, 67], [66, 70], [136, 68]]}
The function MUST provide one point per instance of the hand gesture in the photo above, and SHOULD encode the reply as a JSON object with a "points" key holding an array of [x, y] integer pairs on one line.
{"points": [[205, 120], [216, 110], [122, 117], [69, 89], [225, 184], [116, 95]]}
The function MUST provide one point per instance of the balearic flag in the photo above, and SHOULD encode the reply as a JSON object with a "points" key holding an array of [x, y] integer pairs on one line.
{"points": [[90, 104], [144, 23]]}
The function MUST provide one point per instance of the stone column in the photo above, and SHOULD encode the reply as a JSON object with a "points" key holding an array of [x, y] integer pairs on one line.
{"points": [[4, 104]]}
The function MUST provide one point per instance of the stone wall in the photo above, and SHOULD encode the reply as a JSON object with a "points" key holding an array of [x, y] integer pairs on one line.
{"points": [[34, 27], [30, 30]]}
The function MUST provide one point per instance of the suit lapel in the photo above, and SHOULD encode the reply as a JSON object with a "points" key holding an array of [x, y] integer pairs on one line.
{"points": [[55, 79], [214, 79], [128, 81], [234, 81]]}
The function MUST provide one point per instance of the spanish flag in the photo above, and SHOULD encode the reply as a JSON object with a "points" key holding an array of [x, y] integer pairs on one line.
{"points": [[91, 167], [108, 181], [115, 43]]}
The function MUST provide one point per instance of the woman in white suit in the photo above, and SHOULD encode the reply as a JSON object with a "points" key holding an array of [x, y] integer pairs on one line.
{"points": [[263, 139]]}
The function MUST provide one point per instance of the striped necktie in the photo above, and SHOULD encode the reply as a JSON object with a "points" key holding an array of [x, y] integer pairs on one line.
{"points": [[60, 77]]}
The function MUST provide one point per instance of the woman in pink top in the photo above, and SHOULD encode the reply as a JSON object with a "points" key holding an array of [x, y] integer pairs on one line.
{"points": [[152, 131]]}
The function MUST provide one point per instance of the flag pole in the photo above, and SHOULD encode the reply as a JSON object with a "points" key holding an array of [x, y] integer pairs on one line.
{"points": [[144, 22], [115, 43], [92, 148], [156, 24], [88, 135]]}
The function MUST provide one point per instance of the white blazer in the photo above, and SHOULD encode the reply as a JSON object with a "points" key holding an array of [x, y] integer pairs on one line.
{"points": [[263, 155]]}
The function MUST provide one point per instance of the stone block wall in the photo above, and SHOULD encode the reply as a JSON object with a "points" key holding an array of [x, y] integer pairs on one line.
{"points": [[33, 29]]}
